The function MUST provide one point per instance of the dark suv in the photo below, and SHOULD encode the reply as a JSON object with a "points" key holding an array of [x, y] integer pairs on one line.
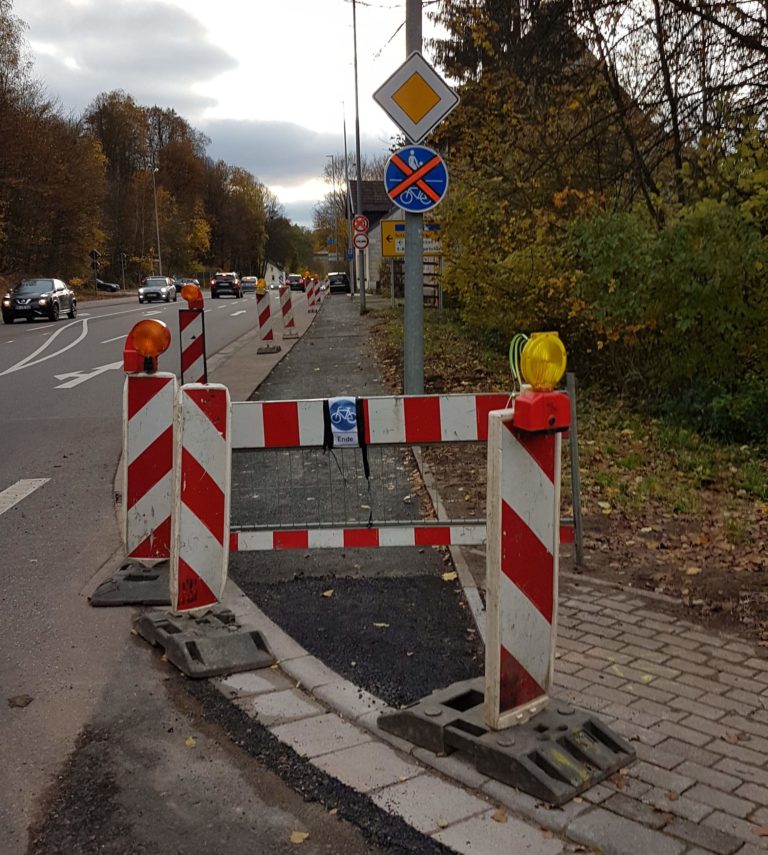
{"points": [[39, 298], [338, 283], [295, 282], [226, 283]]}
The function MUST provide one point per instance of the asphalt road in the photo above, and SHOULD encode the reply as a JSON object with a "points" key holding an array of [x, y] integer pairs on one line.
{"points": [[60, 440]]}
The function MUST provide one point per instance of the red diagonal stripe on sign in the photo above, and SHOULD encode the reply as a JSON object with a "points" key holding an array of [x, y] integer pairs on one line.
{"points": [[201, 494], [193, 592], [433, 535], [516, 686], [281, 424], [141, 390], [541, 447], [187, 317], [526, 562], [157, 544], [291, 539], [361, 537], [192, 353], [415, 177], [485, 404], [213, 403], [422, 419], [154, 463]]}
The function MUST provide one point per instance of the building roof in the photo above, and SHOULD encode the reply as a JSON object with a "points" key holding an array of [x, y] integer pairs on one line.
{"points": [[375, 198]]}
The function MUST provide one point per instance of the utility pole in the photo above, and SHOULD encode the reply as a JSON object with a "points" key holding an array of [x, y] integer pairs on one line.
{"points": [[413, 322], [359, 210], [335, 208], [157, 223], [348, 208]]}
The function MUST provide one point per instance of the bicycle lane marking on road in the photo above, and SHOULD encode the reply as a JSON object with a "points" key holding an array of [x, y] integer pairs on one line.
{"points": [[79, 377], [18, 491]]}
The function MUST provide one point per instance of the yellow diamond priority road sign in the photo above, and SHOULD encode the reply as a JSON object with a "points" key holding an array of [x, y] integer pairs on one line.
{"points": [[416, 98]]}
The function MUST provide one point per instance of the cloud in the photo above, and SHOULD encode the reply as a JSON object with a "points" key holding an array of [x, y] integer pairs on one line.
{"points": [[156, 52], [300, 212]]}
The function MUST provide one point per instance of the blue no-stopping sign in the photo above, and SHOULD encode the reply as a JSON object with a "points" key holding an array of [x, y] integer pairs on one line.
{"points": [[416, 178]]}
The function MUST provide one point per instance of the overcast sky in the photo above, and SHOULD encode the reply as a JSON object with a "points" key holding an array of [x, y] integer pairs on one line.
{"points": [[264, 79]]}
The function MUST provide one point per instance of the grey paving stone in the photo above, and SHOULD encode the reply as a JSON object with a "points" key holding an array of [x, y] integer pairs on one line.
{"points": [[686, 751], [748, 698], [253, 683], [746, 684], [612, 657], [429, 803], [697, 708], [668, 802], [594, 641], [586, 660], [555, 818], [685, 653], [666, 759], [685, 734], [737, 827], [640, 641], [279, 707], [655, 619], [701, 638], [616, 835], [713, 729], [738, 752], [659, 777], [568, 681], [631, 731], [368, 766], [586, 701], [754, 793], [563, 666], [481, 835], [760, 817], [671, 637], [727, 704], [744, 771], [678, 688], [750, 849], [597, 794], [320, 735], [309, 672], [642, 689], [369, 722], [710, 776], [660, 711], [710, 839], [740, 647], [633, 787], [634, 809], [738, 722], [719, 800], [602, 678], [615, 696], [718, 652], [348, 699], [667, 670], [758, 664], [711, 686]]}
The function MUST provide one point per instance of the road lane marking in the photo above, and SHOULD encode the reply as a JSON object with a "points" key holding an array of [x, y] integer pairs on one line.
{"points": [[81, 376], [30, 360], [155, 312], [241, 312], [116, 338], [18, 491]]}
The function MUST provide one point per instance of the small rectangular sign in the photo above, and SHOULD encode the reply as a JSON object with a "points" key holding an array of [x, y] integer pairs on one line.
{"points": [[393, 239]]}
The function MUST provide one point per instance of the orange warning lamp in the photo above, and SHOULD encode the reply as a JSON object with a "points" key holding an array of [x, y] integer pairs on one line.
{"points": [[150, 338], [193, 295], [542, 364]]}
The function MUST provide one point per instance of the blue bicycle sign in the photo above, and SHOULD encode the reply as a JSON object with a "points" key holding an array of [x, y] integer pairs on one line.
{"points": [[343, 415], [416, 178]]}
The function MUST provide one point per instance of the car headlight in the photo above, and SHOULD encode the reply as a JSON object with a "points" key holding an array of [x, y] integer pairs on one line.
{"points": [[42, 301], [141, 290], [163, 289]]}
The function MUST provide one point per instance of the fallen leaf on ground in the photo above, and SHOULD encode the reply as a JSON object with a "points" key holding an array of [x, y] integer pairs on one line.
{"points": [[20, 701], [442, 823], [646, 529], [693, 570], [328, 593], [190, 742], [672, 796], [381, 625], [333, 811], [499, 815], [604, 505], [299, 836], [760, 830], [450, 576]]}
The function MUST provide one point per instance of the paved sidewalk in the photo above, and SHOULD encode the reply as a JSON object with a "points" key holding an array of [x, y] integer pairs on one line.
{"points": [[693, 703]]}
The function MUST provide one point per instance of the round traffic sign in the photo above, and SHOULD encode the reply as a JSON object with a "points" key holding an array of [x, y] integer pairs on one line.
{"points": [[360, 240], [360, 223], [416, 178]]}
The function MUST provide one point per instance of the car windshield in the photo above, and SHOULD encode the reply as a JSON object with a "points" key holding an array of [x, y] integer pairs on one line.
{"points": [[294, 278], [155, 281], [35, 286]]}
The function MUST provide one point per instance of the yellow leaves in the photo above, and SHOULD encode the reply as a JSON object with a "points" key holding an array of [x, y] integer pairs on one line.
{"points": [[450, 576], [328, 593], [190, 742], [692, 570], [499, 815], [381, 625], [298, 837]]}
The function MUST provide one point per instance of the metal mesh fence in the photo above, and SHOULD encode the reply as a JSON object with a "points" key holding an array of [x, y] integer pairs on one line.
{"points": [[309, 487]]}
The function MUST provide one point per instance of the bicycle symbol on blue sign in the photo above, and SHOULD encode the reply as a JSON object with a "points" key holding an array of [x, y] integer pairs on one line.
{"points": [[343, 413], [416, 178]]}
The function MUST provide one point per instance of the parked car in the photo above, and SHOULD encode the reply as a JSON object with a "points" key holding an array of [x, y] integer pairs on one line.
{"points": [[157, 288], [110, 287], [181, 282], [226, 283], [248, 283], [338, 283], [39, 298], [295, 282]]}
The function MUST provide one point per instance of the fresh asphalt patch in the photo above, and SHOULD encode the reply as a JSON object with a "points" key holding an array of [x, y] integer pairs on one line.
{"points": [[398, 635]]}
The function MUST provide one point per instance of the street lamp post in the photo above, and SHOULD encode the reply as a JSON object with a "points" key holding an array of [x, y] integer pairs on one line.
{"points": [[157, 223], [335, 207]]}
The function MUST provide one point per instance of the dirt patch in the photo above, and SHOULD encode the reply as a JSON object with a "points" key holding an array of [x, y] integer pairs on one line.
{"points": [[664, 510]]}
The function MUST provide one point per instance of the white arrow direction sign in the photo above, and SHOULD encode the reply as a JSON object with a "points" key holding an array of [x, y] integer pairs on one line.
{"points": [[79, 377]]}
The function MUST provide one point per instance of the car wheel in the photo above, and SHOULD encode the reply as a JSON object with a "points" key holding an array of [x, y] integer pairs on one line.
{"points": [[175, 297], [55, 312], [72, 313], [167, 298]]}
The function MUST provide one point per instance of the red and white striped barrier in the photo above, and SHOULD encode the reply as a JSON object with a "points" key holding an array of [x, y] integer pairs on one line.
{"points": [[522, 566], [286, 310], [312, 297], [267, 334], [389, 420], [148, 465], [194, 368], [202, 480]]}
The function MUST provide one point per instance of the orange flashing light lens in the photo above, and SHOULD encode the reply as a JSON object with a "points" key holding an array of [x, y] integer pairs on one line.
{"points": [[151, 337], [543, 361], [191, 292]]}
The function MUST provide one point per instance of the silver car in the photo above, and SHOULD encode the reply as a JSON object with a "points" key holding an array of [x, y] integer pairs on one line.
{"points": [[157, 288]]}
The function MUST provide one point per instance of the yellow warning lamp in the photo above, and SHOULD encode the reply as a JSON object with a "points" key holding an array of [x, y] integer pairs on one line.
{"points": [[543, 361], [150, 338], [192, 293]]}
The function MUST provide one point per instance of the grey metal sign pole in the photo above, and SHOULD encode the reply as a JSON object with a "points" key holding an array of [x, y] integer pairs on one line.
{"points": [[361, 254], [413, 332]]}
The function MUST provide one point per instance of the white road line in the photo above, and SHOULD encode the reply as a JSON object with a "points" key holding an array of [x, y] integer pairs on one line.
{"points": [[30, 360], [155, 312], [116, 338], [241, 312], [18, 491], [79, 377]]}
